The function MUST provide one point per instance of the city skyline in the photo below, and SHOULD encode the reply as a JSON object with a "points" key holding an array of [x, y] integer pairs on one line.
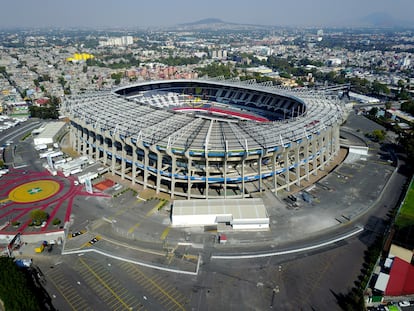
{"points": [[161, 13]]}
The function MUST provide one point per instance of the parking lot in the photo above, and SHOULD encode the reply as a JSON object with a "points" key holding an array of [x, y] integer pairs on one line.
{"points": [[89, 282]]}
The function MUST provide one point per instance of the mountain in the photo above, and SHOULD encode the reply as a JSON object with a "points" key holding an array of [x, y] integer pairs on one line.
{"points": [[216, 24], [205, 21], [383, 20]]}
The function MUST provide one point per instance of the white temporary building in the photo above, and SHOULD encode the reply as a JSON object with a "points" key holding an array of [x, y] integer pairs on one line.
{"points": [[382, 282], [239, 213], [49, 134]]}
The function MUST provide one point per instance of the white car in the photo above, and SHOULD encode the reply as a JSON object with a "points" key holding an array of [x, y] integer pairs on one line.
{"points": [[404, 304]]}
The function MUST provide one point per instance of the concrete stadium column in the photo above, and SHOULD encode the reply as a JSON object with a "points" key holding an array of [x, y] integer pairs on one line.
{"points": [[298, 164], [102, 146], [123, 160], [207, 169], [84, 143], [134, 163], [146, 162], [159, 168], [105, 149], [97, 146], [153, 148], [90, 145], [286, 166], [336, 138], [323, 152], [306, 156], [260, 172], [242, 177], [173, 170], [72, 137], [113, 162], [80, 142], [314, 159], [225, 176], [274, 171], [189, 184], [330, 147]]}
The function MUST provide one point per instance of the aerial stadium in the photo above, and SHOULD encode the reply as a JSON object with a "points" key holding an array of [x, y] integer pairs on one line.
{"points": [[207, 138]]}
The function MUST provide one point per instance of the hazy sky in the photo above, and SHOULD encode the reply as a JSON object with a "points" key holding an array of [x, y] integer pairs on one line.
{"points": [[142, 13]]}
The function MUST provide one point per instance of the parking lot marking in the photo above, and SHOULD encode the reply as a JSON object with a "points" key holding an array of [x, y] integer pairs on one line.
{"points": [[152, 285], [132, 229], [104, 284], [153, 210], [165, 233], [67, 291]]}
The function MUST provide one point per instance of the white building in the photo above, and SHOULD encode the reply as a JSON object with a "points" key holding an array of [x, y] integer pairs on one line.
{"points": [[49, 134], [239, 213]]}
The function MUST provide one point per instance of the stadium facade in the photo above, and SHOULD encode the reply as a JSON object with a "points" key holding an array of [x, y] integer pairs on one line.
{"points": [[207, 138]]}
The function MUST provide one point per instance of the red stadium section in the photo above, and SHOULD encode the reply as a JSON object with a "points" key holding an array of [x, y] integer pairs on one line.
{"points": [[226, 113]]}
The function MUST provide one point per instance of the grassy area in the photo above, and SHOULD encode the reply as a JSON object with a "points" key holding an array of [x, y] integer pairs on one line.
{"points": [[406, 216]]}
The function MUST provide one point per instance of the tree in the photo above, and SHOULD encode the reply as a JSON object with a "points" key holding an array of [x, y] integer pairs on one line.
{"points": [[379, 88], [378, 135], [38, 216], [373, 112], [406, 140], [388, 105], [17, 290], [408, 106], [62, 81]]}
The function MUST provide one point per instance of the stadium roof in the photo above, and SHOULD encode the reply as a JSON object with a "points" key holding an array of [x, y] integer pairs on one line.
{"points": [[169, 129]]}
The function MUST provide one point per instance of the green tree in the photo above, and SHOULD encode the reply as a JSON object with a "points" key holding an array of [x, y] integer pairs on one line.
{"points": [[16, 288], [38, 216], [62, 81], [406, 140], [378, 135], [379, 88], [373, 112], [408, 106]]}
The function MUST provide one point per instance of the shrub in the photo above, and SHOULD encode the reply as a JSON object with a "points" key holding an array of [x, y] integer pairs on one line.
{"points": [[56, 221]]}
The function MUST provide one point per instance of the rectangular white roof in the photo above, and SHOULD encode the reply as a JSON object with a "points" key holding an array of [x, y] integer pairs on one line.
{"points": [[49, 132], [239, 209], [382, 281]]}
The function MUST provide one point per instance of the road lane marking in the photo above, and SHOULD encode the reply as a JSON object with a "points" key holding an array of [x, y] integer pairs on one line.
{"points": [[165, 233], [132, 229]]}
